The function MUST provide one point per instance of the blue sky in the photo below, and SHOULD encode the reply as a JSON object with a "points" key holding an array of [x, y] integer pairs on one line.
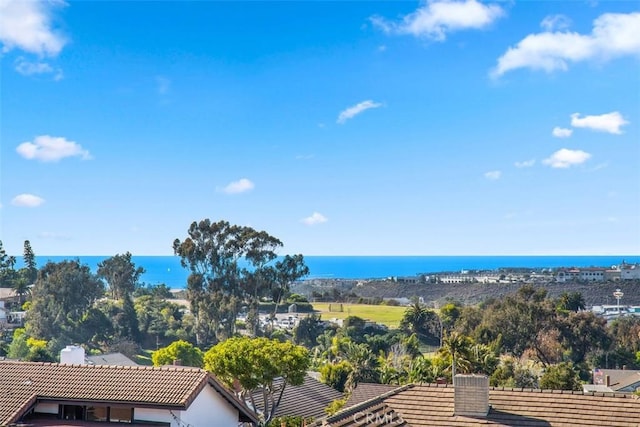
{"points": [[342, 128]]}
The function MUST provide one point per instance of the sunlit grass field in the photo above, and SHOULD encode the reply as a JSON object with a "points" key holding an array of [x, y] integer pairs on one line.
{"points": [[384, 314]]}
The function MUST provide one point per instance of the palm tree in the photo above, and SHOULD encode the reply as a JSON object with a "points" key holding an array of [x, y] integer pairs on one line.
{"points": [[458, 347], [363, 363], [420, 320]]}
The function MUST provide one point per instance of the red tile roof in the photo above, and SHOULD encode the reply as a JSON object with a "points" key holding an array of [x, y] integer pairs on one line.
{"points": [[21, 383], [432, 406]]}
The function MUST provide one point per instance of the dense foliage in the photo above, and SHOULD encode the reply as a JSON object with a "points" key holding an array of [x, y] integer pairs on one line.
{"points": [[259, 366], [232, 266]]}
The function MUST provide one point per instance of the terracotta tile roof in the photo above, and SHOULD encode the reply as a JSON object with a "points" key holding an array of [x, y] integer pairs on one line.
{"points": [[307, 400], [432, 405], [171, 387], [366, 391]]}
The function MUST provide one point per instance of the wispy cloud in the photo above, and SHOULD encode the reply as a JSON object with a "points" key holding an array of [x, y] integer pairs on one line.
{"points": [[438, 18], [240, 186], [559, 132], [493, 175], [353, 111], [613, 35], [610, 122], [26, 25], [305, 156], [47, 148], [27, 201], [53, 236], [163, 85], [600, 166], [566, 158], [314, 219], [525, 164], [555, 23], [28, 68]]}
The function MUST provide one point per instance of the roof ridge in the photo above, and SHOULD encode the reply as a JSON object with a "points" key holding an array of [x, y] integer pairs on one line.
{"points": [[115, 367], [574, 392], [368, 402]]}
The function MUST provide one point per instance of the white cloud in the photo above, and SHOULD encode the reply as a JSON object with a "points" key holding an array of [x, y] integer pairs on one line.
{"points": [[26, 25], [315, 218], [525, 164], [565, 158], [613, 35], [27, 68], [27, 201], [353, 111], [610, 122], [51, 149], [493, 175], [240, 186], [555, 22], [559, 132], [437, 18]]}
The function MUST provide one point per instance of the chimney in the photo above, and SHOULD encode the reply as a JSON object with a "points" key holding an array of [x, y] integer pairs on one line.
{"points": [[608, 380], [471, 395], [72, 355], [177, 362]]}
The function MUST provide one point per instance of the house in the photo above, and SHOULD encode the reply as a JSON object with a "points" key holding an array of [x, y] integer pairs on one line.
{"points": [[614, 380], [53, 394], [471, 402], [117, 359], [307, 400]]}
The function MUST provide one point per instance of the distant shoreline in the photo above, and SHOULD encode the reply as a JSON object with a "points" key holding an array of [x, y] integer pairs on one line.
{"points": [[167, 269]]}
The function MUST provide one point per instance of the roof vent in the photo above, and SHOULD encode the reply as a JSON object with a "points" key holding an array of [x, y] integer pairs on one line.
{"points": [[471, 395]]}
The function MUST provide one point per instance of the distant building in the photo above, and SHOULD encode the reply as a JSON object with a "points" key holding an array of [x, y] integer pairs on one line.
{"points": [[629, 271]]}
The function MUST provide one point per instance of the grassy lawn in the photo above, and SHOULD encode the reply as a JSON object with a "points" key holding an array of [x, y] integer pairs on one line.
{"points": [[387, 315], [144, 358]]}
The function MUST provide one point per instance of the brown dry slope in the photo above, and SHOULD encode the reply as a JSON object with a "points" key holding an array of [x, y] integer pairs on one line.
{"points": [[472, 293]]}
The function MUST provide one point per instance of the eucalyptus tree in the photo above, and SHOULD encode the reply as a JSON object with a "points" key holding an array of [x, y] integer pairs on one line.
{"points": [[232, 266], [121, 275]]}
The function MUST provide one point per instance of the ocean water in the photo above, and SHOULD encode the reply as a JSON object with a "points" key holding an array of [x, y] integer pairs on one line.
{"points": [[167, 269]]}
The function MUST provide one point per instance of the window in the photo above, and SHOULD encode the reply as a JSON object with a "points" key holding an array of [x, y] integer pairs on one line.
{"points": [[106, 414], [72, 412], [121, 415], [97, 413]]}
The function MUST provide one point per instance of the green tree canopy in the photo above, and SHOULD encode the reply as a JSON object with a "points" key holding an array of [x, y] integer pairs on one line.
{"points": [[230, 266], [121, 274], [259, 365], [7, 271], [178, 351], [423, 322], [562, 376], [62, 298]]}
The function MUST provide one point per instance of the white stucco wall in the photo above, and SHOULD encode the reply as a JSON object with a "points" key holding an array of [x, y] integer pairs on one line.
{"points": [[158, 415], [210, 409], [207, 409]]}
